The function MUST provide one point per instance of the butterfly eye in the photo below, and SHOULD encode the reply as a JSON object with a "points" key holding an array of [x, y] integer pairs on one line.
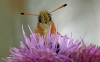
{"points": [[39, 19], [49, 17]]}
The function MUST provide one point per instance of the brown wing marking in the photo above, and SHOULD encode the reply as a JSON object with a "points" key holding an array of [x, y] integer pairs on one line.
{"points": [[53, 29], [39, 29]]}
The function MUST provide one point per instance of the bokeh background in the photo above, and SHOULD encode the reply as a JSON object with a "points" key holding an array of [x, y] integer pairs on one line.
{"points": [[79, 17]]}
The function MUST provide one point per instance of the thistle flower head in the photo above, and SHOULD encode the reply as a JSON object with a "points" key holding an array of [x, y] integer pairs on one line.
{"points": [[52, 48]]}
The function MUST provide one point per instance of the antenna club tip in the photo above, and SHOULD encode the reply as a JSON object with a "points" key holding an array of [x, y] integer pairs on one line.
{"points": [[65, 5], [22, 13]]}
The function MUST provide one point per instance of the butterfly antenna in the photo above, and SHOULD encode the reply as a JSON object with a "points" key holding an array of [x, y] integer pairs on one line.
{"points": [[59, 8], [27, 14]]}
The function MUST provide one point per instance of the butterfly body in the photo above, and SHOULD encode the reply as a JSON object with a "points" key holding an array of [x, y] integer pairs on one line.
{"points": [[44, 23]]}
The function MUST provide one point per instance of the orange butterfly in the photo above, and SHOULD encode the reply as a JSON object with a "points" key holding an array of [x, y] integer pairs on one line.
{"points": [[44, 21]]}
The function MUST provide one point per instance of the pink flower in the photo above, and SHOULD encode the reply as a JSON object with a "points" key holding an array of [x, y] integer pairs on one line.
{"points": [[53, 48]]}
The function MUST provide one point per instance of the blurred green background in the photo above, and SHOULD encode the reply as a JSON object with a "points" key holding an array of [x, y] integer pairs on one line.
{"points": [[10, 25], [78, 17]]}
